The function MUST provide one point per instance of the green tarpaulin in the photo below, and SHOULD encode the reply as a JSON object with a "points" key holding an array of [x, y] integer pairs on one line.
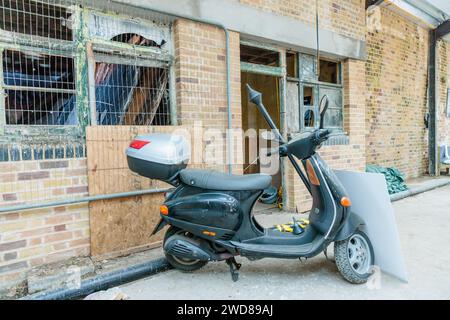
{"points": [[394, 178]]}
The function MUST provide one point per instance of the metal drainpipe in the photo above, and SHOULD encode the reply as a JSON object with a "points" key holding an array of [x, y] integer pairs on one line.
{"points": [[228, 64], [103, 282], [432, 96]]}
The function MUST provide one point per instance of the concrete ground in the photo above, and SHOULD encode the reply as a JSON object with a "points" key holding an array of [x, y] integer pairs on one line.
{"points": [[423, 222]]}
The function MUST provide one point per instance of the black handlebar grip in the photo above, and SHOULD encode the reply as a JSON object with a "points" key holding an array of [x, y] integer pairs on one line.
{"points": [[322, 134]]}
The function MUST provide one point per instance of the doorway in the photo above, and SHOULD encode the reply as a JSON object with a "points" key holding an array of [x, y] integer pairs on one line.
{"points": [[252, 119], [260, 68]]}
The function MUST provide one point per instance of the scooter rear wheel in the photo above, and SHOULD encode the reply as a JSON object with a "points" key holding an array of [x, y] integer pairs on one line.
{"points": [[182, 264], [354, 257]]}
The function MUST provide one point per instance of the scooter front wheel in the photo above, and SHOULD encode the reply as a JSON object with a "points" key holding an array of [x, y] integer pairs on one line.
{"points": [[354, 257], [182, 264]]}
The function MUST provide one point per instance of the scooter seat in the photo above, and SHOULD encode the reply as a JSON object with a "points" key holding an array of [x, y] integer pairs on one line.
{"points": [[213, 180]]}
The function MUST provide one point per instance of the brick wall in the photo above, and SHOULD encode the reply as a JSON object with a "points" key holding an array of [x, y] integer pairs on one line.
{"points": [[346, 17], [34, 237], [200, 66], [443, 60], [396, 74]]}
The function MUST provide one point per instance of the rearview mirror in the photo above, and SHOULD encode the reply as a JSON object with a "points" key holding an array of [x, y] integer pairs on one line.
{"points": [[323, 106]]}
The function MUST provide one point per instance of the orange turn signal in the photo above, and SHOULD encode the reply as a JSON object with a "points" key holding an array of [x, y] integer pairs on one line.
{"points": [[345, 202], [164, 210]]}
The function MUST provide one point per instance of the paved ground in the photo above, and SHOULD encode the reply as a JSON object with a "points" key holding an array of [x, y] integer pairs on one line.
{"points": [[423, 222]]}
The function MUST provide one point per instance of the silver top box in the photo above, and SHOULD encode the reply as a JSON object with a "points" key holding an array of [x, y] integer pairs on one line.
{"points": [[160, 148]]}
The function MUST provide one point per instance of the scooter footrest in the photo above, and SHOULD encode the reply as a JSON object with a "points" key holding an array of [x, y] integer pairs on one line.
{"points": [[275, 251]]}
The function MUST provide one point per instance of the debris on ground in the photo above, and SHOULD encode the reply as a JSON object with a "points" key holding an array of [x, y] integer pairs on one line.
{"points": [[110, 294], [395, 180], [59, 274], [71, 272]]}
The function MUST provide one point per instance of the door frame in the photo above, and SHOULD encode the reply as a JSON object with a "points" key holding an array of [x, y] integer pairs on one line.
{"points": [[280, 73]]}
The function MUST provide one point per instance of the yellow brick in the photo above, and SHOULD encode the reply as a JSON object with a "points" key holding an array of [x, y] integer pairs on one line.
{"points": [[56, 174], [57, 183], [13, 226], [78, 225], [35, 251]]}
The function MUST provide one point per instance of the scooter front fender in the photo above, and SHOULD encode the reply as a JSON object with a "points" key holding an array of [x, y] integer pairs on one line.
{"points": [[352, 223], [161, 224]]}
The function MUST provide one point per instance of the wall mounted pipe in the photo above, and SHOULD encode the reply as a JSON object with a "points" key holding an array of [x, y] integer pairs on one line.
{"points": [[7, 210]]}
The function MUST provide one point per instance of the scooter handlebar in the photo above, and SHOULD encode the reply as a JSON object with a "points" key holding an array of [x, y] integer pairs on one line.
{"points": [[322, 134], [281, 150]]}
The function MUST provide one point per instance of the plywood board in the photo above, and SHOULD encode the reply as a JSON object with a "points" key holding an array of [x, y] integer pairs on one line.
{"points": [[121, 226], [107, 163]]}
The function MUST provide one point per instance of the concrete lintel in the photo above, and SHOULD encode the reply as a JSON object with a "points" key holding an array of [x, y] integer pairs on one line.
{"points": [[256, 24]]}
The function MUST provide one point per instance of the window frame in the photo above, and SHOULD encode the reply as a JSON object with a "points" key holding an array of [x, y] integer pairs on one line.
{"points": [[82, 60], [37, 44], [311, 80]]}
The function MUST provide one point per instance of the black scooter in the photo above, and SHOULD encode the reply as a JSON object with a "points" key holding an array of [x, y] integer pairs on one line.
{"points": [[210, 214]]}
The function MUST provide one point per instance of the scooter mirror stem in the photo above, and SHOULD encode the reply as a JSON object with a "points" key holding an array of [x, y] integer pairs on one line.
{"points": [[256, 98], [323, 109]]}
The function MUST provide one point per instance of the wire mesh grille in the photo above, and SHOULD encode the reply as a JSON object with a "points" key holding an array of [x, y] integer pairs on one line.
{"points": [[36, 18], [38, 87], [131, 95], [46, 86]]}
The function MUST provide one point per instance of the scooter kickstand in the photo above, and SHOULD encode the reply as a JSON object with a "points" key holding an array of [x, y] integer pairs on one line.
{"points": [[234, 266], [325, 252]]}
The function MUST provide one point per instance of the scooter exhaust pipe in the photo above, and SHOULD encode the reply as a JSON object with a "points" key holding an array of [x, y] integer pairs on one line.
{"points": [[184, 249]]}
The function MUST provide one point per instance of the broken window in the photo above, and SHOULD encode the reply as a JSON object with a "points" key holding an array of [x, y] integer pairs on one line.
{"points": [[326, 82], [116, 29], [259, 56], [314, 83], [134, 93], [35, 18], [131, 86], [309, 104], [131, 95], [37, 87], [292, 65], [329, 72]]}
